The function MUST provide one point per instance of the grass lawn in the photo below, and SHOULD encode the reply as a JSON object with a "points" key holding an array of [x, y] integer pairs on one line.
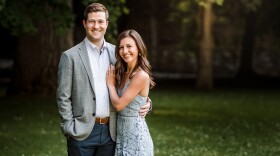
{"points": [[184, 122]]}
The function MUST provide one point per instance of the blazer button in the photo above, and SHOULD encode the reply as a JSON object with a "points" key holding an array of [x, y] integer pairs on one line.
{"points": [[93, 114], [94, 98]]}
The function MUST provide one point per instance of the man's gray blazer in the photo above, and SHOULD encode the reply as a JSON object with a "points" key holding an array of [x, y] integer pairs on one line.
{"points": [[76, 94]]}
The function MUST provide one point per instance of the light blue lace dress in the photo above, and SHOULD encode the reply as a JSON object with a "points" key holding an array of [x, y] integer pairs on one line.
{"points": [[133, 137]]}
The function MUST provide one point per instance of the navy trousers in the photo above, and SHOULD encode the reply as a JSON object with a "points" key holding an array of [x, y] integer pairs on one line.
{"points": [[98, 143]]}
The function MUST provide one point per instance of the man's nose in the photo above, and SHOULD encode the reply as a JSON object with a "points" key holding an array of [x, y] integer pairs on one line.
{"points": [[96, 25]]}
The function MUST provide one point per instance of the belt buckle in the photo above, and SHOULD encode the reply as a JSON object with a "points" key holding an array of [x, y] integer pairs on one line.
{"points": [[100, 121]]}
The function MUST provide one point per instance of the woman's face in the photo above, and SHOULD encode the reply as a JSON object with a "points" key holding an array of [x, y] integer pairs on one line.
{"points": [[128, 50]]}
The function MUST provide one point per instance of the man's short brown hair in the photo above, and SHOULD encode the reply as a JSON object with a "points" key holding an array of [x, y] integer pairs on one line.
{"points": [[95, 7]]}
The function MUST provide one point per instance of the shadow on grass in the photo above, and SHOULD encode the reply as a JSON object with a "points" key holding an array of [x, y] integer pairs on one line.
{"points": [[30, 126], [184, 121]]}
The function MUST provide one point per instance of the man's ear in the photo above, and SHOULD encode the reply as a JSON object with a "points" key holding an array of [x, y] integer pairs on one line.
{"points": [[84, 23]]}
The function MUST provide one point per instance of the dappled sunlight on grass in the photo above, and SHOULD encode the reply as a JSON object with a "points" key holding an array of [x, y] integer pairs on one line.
{"points": [[183, 113], [30, 126], [182, 123], [221, 123]]}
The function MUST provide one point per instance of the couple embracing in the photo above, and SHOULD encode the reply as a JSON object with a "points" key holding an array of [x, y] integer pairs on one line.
{"points": [[102, 92]]}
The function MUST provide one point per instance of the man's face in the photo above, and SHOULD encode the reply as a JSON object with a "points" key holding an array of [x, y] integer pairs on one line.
{"points": [[96, 26]]}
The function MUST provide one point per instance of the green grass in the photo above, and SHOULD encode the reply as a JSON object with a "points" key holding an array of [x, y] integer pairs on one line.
{"points": [[229, 122], [30, 127], [220, 123]]}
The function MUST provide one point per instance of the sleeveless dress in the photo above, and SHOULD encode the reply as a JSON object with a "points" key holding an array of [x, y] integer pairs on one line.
{"points": [[133, 137]]}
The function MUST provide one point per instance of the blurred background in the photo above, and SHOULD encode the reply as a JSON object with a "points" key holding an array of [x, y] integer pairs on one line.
{"points": [[237, 40], [215, 62]]}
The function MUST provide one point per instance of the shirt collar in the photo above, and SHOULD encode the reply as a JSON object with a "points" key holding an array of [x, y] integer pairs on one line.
{"points": [[92, 46]]}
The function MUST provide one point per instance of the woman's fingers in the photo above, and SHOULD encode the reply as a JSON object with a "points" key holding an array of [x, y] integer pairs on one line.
{"points": [[112, 70]]}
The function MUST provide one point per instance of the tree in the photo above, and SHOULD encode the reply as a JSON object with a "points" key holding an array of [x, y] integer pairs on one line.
{"points": [[154, 34], [202, 42], [44, 29], [246, 70], [205, 76], [204, 73]]}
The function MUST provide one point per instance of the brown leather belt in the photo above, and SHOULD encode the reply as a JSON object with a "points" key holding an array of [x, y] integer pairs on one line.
{"points": [[102, 120]]}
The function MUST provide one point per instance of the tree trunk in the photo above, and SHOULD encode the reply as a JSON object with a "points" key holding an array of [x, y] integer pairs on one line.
{"points": [[246, 62], [204, 77], [154, 37], [37, 59]]}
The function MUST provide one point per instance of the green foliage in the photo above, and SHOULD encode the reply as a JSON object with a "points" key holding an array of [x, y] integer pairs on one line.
{"points": [[116, 9], [219, 2], [203, 2], [2, 4], [185, 12], [252, 5], [269, 19], [26, 16], [63, 17], [184, 15]]}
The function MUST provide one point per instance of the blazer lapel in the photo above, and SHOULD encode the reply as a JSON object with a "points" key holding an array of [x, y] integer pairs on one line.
{"points": [[84, 57], [111, 52], [112, 58]]}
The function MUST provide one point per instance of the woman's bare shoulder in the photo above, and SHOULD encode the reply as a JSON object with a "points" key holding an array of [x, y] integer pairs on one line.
{"points": [[141, 74]]}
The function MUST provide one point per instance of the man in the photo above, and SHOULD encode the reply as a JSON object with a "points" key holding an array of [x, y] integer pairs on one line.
{"points": [[88, 119]]}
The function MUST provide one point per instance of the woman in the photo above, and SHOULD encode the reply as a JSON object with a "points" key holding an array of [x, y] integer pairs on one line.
{"points": [[129, 84]]}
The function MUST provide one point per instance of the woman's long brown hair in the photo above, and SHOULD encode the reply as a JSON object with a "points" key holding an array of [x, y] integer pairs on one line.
{"points": [[142, 61]]}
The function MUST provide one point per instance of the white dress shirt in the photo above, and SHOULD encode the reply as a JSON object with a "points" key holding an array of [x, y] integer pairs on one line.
{"points": [[99, 63]]}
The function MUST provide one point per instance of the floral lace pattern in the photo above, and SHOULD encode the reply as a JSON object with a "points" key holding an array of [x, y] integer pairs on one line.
{"points": [[133, 137]]}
